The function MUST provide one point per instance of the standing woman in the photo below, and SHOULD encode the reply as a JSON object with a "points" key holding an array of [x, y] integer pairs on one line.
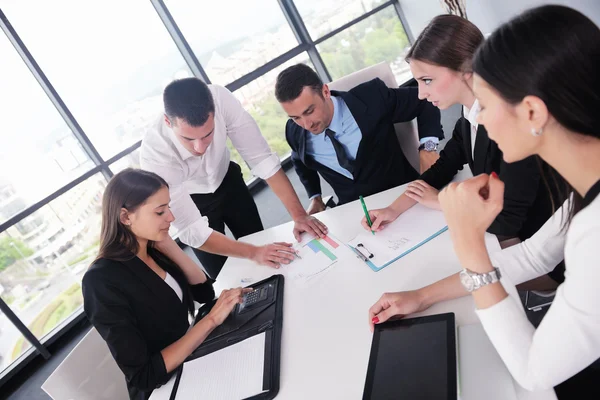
{"points": [[537, 82], [139, 299]]}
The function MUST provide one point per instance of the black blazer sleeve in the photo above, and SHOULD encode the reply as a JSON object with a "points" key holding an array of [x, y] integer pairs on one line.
{"points": [[521, 184], [203, 292], [452, 158], [404, 105], [308, 176], [107, 308]]}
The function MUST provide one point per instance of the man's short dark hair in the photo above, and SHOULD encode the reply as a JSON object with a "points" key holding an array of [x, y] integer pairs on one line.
{"points": [[291, 81], [189, 99]]}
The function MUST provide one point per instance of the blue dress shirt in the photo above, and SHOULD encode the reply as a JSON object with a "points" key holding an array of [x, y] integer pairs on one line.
{"points": [[347, 132]]}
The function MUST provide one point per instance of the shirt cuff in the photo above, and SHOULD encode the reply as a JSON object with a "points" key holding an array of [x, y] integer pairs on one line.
{"points": [[196, 234], [314, 195], [267, 167], [429, 139]]}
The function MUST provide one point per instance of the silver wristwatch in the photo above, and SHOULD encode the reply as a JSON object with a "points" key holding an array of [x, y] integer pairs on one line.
{"points": [[472, 280], [429, 145]]}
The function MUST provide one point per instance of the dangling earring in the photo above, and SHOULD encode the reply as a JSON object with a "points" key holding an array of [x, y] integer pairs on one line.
{"points": [[537, 133]]}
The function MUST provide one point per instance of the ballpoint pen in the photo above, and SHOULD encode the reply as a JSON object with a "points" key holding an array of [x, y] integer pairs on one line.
{"points": [[364, 206]]}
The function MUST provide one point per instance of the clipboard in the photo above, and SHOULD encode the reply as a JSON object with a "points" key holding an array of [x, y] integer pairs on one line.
{"points": [[364, 255], [243, 323]]}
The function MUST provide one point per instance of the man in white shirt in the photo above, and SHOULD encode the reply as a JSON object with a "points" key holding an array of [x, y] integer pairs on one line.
{"points": [[187, 148]]}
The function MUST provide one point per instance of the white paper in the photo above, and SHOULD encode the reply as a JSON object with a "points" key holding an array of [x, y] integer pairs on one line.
{"points": [[315, 257], [233, 373], [412, 228]]}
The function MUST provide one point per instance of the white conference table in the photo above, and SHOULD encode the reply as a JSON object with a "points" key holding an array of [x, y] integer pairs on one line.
{"points": [[326, 340]]}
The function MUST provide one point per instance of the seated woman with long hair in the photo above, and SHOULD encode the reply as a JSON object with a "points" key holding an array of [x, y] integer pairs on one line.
{"points": [[139, 299]]}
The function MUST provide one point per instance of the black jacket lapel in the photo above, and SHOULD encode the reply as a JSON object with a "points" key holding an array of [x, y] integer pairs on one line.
{"points": [[157, 287], [359, 111], [482, 144]]}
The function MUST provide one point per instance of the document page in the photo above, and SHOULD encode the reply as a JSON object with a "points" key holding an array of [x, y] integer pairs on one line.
{"points": [[315, 256], [233, 373], [412, 228]]}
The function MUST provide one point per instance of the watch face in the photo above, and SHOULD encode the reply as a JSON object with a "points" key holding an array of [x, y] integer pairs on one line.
{"points": [[430, 146], [466, 281]]}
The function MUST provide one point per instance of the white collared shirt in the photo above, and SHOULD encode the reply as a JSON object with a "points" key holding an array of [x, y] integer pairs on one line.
{"points": [[187, 174], [471, 116]]}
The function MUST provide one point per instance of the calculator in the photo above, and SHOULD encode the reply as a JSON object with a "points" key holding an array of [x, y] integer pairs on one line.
{"points": [[254, 298]]}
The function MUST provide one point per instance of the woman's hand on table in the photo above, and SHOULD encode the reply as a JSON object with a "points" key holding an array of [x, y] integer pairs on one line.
{"points": [[396, 305], [379, 218], [421, 192]]}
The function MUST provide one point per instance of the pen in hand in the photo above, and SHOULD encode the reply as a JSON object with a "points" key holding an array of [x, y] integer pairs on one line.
{"points": [[364, 206]]}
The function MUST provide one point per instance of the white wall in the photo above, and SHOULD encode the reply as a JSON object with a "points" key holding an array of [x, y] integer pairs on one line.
{"points": [[488, 14]]}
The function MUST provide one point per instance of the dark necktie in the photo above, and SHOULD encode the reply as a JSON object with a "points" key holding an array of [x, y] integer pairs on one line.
{"points": [[339, 151]]}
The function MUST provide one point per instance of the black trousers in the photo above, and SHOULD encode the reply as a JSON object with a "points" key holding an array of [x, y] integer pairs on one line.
{"points": [[232, 205]]}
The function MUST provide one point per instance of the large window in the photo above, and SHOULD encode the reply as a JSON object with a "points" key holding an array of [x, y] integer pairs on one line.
{"points": [[131, 160], [258, 98], [42, 261], [232, 38], [378, 38], [109, 60], [39, 153], [323, 16]]}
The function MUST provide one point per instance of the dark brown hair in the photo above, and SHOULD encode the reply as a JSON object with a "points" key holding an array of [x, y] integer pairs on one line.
{"points": [[292, 80], [551, 52], [189, 99], [128, 189], [448, 41]]}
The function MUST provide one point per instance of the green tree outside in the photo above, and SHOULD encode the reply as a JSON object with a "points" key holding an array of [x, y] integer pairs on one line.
{"points": [[11, 250]]}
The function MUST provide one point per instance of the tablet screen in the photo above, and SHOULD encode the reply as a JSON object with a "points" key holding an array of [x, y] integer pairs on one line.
{"points": [[413, 359]]}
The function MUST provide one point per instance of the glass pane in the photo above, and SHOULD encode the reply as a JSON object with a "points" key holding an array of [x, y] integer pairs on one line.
{"points": [[9, 338], [108, 60], [39, 153], [258, 98], [233, 38], [131, 160], [376, 39], [42, 260], [323, 16]]}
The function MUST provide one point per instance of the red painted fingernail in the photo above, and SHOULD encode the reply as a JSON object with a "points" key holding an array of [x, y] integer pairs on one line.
{"points": [[375, 320], [495, 175]]}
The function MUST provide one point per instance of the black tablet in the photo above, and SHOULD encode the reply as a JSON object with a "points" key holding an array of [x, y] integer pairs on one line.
{"points": [[413, 358]]}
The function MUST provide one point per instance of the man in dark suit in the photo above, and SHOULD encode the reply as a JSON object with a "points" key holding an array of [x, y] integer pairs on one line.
{"points": [[349, 137]]}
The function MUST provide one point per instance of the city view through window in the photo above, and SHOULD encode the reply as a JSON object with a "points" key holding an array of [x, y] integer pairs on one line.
{"points": [[111, 81]]}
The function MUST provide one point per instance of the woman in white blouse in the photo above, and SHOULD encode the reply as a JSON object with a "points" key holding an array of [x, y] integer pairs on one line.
{"points": [[537, 82]]}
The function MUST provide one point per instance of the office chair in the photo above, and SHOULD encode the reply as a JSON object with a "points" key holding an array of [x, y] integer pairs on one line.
{"points": [[89, 372]]}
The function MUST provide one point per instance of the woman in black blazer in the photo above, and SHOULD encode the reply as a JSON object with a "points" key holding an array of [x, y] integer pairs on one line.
{"points": [[140, 300], [440, 61]]}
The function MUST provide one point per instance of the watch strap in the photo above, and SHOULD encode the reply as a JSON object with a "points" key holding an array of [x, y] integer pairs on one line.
{"points": [[486, 278]]}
